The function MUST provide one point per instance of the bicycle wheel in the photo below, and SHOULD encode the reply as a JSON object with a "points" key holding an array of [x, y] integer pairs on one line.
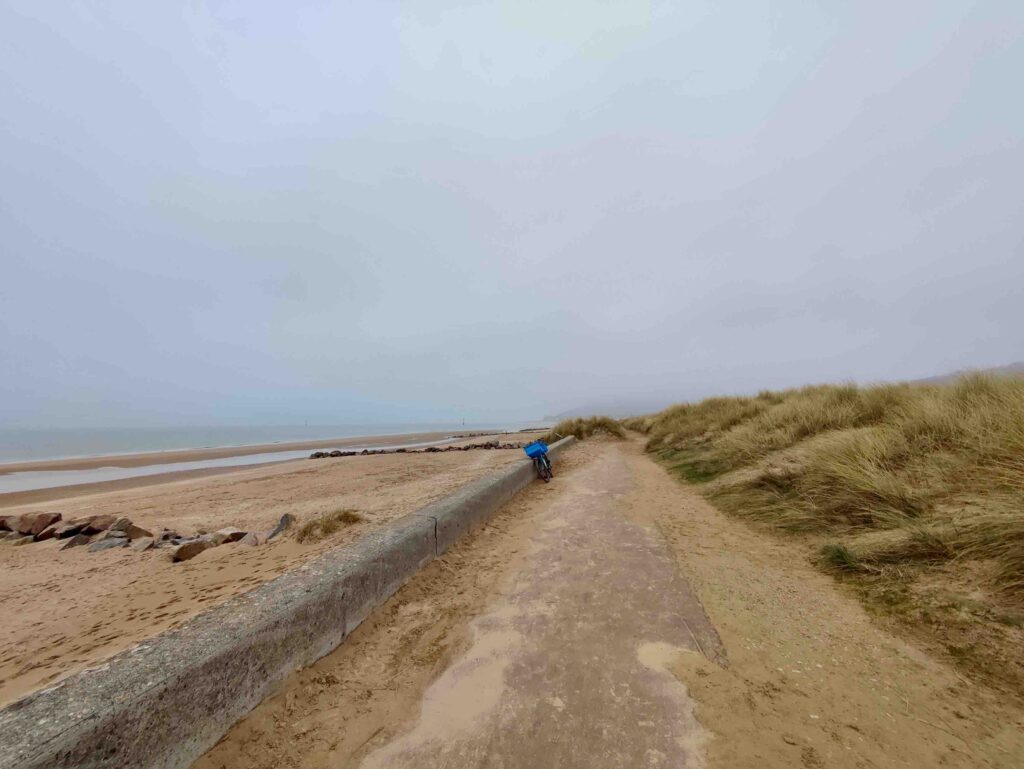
{"points": [[542, 473]]}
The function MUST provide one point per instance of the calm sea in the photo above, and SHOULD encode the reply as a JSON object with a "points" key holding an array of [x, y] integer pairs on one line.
{"points": [[17, 445]]}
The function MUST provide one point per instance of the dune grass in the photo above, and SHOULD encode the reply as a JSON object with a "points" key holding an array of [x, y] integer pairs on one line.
{"points": [[887, 474], [585, 427], [913, 495], [325, 525]]}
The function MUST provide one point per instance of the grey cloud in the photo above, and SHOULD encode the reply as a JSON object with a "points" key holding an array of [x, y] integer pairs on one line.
{"points": [[228, 212]]}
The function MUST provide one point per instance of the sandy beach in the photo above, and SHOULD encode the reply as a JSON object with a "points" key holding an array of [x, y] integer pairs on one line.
{"points": [[67, 610], [191, 455], [43, 495]]}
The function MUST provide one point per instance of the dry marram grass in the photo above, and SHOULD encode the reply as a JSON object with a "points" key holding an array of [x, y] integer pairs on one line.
{"points": [[893, 482], [326, 524], [584, 428]]}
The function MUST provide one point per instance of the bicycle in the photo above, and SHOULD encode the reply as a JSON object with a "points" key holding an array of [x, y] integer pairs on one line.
{"points": [[538, 452]]}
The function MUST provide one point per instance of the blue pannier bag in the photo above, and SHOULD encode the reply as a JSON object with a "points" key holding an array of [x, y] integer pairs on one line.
{"points": [[535, 449]]}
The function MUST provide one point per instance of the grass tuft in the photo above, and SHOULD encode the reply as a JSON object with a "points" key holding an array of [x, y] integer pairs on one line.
{"points": [[839, 558], [890, 474], [584, 428], [326, 524]]}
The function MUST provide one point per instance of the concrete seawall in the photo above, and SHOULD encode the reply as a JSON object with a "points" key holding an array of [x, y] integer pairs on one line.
{"points": [[164, 702]]}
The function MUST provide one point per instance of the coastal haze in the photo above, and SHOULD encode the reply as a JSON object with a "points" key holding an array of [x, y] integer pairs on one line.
{"points": [[236, 215], [424, 384]]}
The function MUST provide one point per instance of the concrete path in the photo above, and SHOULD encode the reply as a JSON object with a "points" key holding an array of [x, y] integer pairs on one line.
{"points": [[567, 668]]}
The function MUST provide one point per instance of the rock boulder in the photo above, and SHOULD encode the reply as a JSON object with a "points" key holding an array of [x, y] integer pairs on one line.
{"points": [[282, 525], [107, 544], [34, 523], [76, 540], [187, 550], [94, 524], [231, 534]]}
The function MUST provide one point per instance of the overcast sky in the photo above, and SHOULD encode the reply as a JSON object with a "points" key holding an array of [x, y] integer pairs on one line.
{"points": [[241, 212]]}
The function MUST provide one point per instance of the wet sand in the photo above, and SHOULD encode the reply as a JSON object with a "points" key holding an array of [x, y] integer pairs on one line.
{"points": [[192, 455], [45, 495]]}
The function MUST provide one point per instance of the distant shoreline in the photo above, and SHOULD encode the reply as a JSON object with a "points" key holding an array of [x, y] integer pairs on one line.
{"points": [[191, 455]]}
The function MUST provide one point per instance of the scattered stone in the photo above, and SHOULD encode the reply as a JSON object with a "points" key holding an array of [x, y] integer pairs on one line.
{"points": [[76, 540], [143, 543], [23, 540], [10, 536], [166, 536], [285, 523], [4, 525], [43, 521], [94, 524], [34, 523], [48, 533], [112, 534], [137, 532], [65, 529], [107, 544], [216, 538], [253, 539], [336, 453], [191, 549], [231, 534], [130, 529]]}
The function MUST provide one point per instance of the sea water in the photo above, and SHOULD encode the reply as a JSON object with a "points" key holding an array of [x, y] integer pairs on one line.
{"points": [[23, 445]]}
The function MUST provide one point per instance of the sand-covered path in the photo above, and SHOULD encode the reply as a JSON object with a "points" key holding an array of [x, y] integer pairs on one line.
{"points": [[567, 633], [567, 668]]}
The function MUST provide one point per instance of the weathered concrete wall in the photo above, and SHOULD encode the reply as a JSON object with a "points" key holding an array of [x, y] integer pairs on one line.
{"points": [[163, 703]]}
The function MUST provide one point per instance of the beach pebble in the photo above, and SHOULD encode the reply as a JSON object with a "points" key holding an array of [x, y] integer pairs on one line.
{"points": [[76, 540], [142, 543], [107, 544]]}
